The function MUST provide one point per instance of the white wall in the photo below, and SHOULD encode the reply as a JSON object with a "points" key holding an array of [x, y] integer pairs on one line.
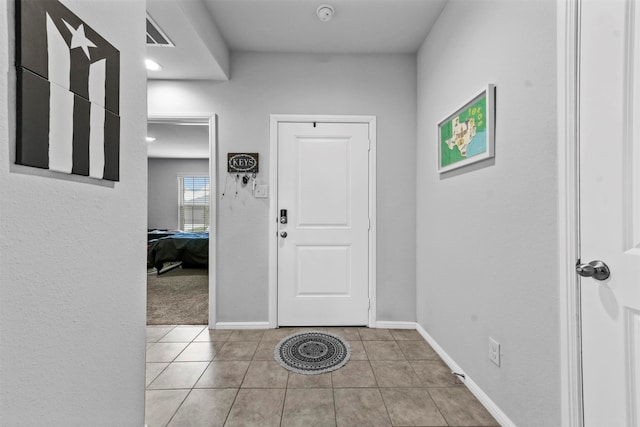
{"points": [[163, 188], [486, 237], [264, 84], [72, 258]]}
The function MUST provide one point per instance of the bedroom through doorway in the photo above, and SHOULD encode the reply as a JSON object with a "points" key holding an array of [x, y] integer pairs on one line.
{"points": [[179, 220]]}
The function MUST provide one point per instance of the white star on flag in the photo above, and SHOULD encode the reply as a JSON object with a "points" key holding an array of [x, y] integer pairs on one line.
{"points": [[79, 38]]}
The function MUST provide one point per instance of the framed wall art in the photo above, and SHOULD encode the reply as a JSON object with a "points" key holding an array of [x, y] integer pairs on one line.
{"points": [[467, 135], [68, 96]]}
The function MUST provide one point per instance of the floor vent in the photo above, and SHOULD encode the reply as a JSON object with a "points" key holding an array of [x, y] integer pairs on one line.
{"points": [[155, 36]]}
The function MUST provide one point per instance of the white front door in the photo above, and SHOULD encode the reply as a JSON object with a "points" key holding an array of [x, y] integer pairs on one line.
{"points": [[610, 210], [323, 248]]}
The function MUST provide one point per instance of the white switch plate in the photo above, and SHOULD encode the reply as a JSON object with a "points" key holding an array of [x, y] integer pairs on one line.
{"points": [[494, 351], [261, 192]]}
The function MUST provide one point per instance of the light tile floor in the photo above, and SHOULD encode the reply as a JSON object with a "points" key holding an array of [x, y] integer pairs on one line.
{"points": [[199, 377]]}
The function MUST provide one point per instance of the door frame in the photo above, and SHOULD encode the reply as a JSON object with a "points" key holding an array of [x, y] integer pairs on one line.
{"points": [[212, 120], [568, 44], [275, 119]]}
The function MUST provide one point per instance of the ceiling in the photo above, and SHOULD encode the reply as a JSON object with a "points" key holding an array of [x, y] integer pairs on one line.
{"points": [[178, 139], [358, 26], [204, 32], [290, 26], [190, 57]]}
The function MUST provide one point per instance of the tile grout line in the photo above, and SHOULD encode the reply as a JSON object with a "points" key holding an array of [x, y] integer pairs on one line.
{"points": [[437, 407], [284, 401], [146, 387], [333, 397], [335, 408], [226, 418], [385, 406], [172, 362], [165, 368], [178, 408], [373, 372], [174, 359], [187, 346], [380, 391]]}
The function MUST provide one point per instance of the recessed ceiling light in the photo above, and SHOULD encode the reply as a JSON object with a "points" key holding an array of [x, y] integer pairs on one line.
{"points": [[325, 12], [152, 65], [150, 139]]}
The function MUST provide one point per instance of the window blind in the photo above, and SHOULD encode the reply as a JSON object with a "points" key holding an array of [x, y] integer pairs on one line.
{"points": [[194, 200]]}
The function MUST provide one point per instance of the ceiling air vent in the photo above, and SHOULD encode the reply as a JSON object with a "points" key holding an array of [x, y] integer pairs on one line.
{"points": [[155, 36]]}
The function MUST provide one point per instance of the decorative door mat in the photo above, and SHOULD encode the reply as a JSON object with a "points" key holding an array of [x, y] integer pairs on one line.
{"points": [[312, 353]]}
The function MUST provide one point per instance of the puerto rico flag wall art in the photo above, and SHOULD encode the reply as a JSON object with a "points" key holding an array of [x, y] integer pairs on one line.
{"points": [[68, 93]]}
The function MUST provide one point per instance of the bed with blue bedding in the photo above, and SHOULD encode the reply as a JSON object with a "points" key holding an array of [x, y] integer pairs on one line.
{"points": [[191, 249]]}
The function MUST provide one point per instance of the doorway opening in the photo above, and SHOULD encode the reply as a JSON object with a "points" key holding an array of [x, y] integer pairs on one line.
{"points": [[181, 225]]}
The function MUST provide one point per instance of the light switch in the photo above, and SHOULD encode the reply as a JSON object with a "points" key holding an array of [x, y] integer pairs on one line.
{"points": [[262, 192]]}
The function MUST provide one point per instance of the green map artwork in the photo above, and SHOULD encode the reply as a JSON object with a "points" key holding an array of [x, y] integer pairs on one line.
{"points": [[464, 135]]}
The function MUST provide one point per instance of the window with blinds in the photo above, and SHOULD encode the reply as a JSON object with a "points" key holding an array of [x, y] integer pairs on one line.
{"points": [[194, 197]]}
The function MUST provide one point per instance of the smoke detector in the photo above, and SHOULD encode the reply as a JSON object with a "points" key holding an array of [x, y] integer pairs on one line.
{"points": [[325, 12]]}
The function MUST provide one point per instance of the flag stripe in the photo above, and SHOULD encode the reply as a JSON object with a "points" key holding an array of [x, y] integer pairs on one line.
{"points": [[97, 77], [111, 146], [60, 129], [32, 133], [59, 60], [81, 129], [96, 142], [60, 101]]}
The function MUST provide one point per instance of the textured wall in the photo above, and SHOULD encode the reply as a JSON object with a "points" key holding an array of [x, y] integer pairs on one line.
{"points": [[264, 84], [487, 236], [72, 258]]}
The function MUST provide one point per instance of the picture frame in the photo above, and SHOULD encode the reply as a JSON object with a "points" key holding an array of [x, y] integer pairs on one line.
{"points": [[67, 93], [467, 135]]}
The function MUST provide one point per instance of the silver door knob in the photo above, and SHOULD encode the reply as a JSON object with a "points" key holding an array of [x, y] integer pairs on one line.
{"points": [[283, 234], [596, 269]]}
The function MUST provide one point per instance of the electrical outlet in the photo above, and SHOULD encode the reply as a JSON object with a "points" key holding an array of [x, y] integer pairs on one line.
{"points": [[494, 351]]}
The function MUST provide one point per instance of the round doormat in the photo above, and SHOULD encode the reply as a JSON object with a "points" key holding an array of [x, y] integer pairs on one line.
{"points": [[312, 352]]}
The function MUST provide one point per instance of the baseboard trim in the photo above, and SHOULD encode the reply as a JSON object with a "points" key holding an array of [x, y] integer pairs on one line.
{"points": [[486, 401], [265, 325], [242, 325], [395, 325]]}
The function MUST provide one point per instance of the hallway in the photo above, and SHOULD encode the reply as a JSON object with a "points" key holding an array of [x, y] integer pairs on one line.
{"points": [[201, 377]]}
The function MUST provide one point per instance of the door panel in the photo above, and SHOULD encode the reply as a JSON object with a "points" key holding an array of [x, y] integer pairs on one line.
{"points": [[609, 221], [323, 183], [324, 198], [314, 279]]}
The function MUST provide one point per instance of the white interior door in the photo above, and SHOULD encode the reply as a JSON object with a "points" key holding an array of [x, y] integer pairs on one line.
{"points": [[610, 211], [323, 184]]}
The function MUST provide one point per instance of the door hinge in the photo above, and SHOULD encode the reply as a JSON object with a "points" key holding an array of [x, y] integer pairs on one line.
{"points": [[369, 304], [369, 145], [369, 224]]}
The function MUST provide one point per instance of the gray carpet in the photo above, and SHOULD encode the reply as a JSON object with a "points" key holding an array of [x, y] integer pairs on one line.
{"points": [[178, 297]]}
